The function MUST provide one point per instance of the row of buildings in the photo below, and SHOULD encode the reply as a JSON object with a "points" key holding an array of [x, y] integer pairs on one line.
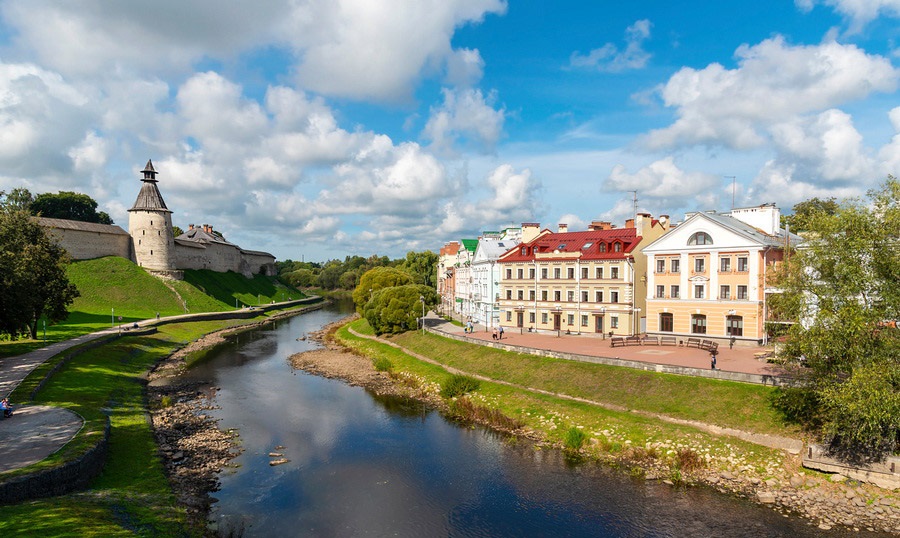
{"points": [[705, 276]]}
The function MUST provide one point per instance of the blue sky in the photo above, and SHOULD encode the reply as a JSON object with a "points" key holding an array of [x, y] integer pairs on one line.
{"points": [[317, 129]]}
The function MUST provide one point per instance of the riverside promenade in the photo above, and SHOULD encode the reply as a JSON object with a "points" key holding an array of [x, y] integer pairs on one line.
{"points": [[37, 431]]}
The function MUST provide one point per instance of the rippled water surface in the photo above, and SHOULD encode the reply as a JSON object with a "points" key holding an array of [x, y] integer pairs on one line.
{"points": [[365, 466]]}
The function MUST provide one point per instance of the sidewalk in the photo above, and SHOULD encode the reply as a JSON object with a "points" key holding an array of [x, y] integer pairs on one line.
{"points": [[741, 359]]}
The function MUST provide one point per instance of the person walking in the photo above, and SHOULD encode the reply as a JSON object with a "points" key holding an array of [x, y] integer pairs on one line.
{"points": [[501, 333], [712, 360]]}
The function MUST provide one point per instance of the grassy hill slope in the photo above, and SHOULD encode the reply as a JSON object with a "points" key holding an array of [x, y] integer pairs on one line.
{"points": [[114, 287]]}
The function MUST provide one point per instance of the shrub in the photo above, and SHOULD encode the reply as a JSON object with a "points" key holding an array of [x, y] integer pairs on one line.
{"points": [[574, 439], [687, 460], [458, 385], [383, 364], [465, 409]]}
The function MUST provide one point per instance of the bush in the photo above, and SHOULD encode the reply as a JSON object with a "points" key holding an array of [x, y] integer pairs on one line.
{"points": [[574, 439], [458, 385], [383, 364], [398, 309]]}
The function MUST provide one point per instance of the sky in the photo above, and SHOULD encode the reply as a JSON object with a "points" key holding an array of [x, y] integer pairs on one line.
{"points": [[318, 129]]}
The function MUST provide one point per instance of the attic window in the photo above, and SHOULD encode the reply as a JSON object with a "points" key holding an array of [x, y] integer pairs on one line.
{"points": [[602, 247], [617, 247], [586, 246], [524, 251], [700, 238], [561, 246]]}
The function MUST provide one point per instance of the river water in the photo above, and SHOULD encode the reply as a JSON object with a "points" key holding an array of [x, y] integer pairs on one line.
{"points": [[366, 466]]}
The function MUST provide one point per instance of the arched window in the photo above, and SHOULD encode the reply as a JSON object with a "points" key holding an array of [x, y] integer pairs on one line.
{"points": [[734, 325], [700, 238], [698, 324]]}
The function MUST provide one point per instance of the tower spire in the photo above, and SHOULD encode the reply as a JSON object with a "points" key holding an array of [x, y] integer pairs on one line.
{"points": [[149, 172]]}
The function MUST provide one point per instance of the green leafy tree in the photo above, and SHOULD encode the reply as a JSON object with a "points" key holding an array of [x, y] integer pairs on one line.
{"points": [[376, 279], [805, 212], [301, 278], [398, 309], [422, 266], [841, 285], [68, 205], [176, 231], [18, 199], [33, 281]]}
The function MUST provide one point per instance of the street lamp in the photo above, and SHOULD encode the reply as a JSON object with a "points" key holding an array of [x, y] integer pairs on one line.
{"points": [[637, 320], [113, 318], [422, 299], [558, 320]]}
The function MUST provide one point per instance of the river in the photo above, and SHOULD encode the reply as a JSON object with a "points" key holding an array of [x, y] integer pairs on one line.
{"points": [[366, 466]]}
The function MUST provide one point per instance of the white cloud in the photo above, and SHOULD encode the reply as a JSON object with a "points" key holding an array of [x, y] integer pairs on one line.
{"points": [[465, 67], [91, 155], [664, 183], [609, 58], [468, 115], [774, 81], [889, 155], [859, 12]]}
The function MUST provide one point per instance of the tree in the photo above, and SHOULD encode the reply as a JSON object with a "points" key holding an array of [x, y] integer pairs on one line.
{"points": [[422, 266], [33, 281], [176, 231], [69, 205], [377, 279], [841, 285], [18, 199], [397, 309], [805, 212]]}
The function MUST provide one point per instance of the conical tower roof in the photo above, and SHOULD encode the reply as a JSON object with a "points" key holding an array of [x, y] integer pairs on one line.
{"points": [[149, 199]]}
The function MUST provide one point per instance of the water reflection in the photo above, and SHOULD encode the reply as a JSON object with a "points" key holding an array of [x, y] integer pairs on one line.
{"points": [[376, 466]]}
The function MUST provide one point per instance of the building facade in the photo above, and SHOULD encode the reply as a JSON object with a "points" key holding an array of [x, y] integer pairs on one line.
{"points": [[485, 272], [578, 282], [708, 275]]}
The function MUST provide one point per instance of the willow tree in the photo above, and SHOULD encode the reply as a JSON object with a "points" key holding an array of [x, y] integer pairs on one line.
{"points": [[842, 288]]}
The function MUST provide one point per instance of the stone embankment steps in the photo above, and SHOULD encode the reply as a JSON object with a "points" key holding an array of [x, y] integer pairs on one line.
{"points": [[792, 446]]}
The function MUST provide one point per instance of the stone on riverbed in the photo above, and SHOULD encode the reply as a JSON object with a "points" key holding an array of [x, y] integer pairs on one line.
{"points": [[279, 461]]}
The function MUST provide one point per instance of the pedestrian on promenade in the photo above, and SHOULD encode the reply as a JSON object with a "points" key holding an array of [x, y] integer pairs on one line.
{"points": [[712, 360], [494, 333], [501, 333], [6, 408], [731, 342]]}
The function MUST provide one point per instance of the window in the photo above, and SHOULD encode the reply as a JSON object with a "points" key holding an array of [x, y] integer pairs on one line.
{"points": [[556, 272], [742, 265], [698, 291], [509, 294], [614, 272], [734, 326], [531, 317], [543, 295], [660, 292], [520, 294], [660, 266], [571, 319], [557, 295], [742, 292], [698, 323], [617, 247], [524, 251], [674, 292], [584, 320], [509, 315], [530, 295], [598, 296], [570, 273], [584, 272], [531, 273], [544, 318], [543, 273], [676, 265], [725, 292], [700, 238], [570, 296], [666, 322], [602, 247], [509, 274], [725, 265], [586, 246], [584, 296], [614, 322], [520, 274], [599, 273], [699, 265], [614, 297]]}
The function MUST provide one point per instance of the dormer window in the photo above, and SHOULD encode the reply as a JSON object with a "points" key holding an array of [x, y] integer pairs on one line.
{"points": [[524, 251], [617, 247], [700, 238], [602, 247]]}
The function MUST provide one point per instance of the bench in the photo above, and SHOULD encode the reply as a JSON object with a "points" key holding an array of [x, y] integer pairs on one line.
{"points": [[617, 341], [693, 342], [632, 340], [650, 341], [709, 345], [668, 341]]}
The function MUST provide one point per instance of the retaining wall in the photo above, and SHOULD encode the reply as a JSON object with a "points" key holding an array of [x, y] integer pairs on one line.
{"points": [[884, 474]]}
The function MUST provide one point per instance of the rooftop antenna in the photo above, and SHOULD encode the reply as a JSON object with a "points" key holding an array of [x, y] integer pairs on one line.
{"points": [[634, 201], [733, 181]]}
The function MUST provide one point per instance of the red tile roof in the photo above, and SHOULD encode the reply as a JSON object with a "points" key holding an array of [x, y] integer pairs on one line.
{"points": [[586, 243]]}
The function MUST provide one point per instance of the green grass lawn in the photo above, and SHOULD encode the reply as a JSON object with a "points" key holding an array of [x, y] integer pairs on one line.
{"points": [[131, 496], [112, 288]]}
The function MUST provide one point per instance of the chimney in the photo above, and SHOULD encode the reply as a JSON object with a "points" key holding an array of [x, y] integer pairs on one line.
{"points": [[665, 221], [598, 225], [530, 230], [629, 223], [190, 226], [563, 228], [643, 221]]}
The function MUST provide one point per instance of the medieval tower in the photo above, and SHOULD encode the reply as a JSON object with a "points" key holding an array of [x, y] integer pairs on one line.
{"points": [[150, 227]]}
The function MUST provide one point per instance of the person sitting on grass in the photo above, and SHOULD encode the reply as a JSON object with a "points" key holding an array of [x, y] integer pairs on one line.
{"points": [[6, 407]]}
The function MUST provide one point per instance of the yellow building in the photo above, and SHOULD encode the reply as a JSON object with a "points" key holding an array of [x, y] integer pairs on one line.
{"points": [[708, 275], [591, 281]]}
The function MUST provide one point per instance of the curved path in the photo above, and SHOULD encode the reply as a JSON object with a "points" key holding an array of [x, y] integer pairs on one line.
{"points": [[792, 446], [37, 431]]}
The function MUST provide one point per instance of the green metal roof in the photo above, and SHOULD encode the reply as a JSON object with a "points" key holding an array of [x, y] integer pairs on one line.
{"points": [[470, 244]]}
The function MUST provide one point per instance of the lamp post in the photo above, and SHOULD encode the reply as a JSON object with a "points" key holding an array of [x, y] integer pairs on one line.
{"points": [[422, 300], [558, 320], [637, 320], [113, 319]]}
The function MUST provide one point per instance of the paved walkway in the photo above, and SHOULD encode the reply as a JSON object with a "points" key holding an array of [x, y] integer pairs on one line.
{"points": [[741, 359]]}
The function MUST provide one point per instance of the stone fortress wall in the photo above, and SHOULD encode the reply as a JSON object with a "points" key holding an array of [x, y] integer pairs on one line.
{"points": [[86, 240]]}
